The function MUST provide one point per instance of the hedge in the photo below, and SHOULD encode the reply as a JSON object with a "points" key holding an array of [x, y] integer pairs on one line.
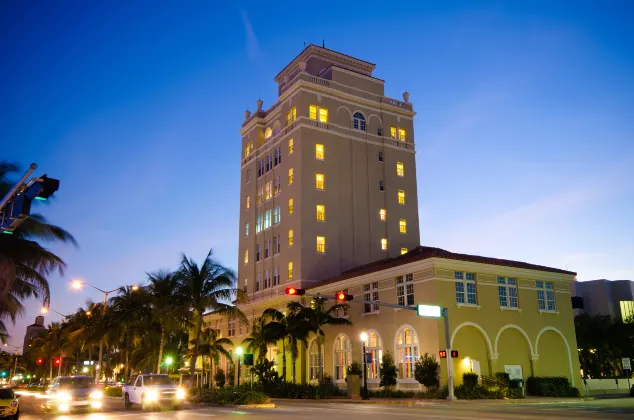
{"points": [[550, 386], [229, 396]]}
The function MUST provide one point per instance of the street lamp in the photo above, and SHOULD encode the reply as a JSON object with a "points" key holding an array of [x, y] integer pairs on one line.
{"points": [[168, 362], [239, 352], [77, 285], [46, 310], [15, 364], [364, 340]]}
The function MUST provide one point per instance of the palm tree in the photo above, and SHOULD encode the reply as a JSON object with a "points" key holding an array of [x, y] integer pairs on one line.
{"points": [[213, 345], [318, 317], [260, 337], [24, 263], [165, 307], [207, 288], [130, 314]]}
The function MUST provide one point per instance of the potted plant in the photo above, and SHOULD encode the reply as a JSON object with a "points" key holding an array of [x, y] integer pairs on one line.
{"points": [[353, 379]]}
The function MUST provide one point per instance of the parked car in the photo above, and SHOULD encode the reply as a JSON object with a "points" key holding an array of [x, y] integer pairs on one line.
{"points": [[153, 390], [66, 393], [9, 404]]}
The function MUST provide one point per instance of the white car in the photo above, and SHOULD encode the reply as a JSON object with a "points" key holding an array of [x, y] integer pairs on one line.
{"points": [[153, 390], [66, 393]]}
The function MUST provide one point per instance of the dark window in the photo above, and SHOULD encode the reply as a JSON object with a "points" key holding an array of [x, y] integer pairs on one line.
{"points": [[381, 186], [380, 156], [379, 132], [577, 302], [358, 121]]}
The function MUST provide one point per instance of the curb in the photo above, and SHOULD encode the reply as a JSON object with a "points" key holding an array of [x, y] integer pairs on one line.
{"points": [[257, 406]]}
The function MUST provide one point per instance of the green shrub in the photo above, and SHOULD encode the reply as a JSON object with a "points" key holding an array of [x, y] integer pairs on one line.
{"points": [[354, 369], [477, 392], [503, 378], [550, 386], [388, 370], [112, 391], [265, 371], [426, 371], [470, 380], [219, 378], [252, 397]]}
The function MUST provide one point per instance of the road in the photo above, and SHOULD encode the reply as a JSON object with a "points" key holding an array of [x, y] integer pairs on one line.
{"points": [[600, 409]]}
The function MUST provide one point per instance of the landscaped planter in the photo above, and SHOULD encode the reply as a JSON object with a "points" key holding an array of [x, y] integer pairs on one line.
{"points": [[354, 386]]}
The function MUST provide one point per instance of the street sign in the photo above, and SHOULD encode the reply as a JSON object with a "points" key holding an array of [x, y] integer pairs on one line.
{"points": [[430, 311], [626, 363], [248, 359], [368, 358]]}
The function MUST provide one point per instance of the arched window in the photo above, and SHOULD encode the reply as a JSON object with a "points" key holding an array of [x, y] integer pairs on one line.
{"points": [[313, 361], [343, 356], [359, 121], [268, 133], [406, 351], [374, 347]]}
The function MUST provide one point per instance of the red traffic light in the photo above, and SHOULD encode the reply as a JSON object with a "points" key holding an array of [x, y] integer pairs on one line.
{"points": [[292, 291], [443, 354], [40, 360], [344, 297], [57, 362]]}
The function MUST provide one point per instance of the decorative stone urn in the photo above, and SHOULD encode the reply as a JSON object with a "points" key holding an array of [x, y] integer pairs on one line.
{"points": [[259, 103], [406, 96]]}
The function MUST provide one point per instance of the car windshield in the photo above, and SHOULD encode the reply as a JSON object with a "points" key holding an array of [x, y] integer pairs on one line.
{"points": [[6, 394], [74, 383], [157, 380]]}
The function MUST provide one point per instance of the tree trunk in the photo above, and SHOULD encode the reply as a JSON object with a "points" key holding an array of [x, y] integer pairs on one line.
{"points": [[293, 368], [50, 372], [61, 361], [211, 371], [89, 356], [161, 346], [78, 364], [127, 373], [284, 359], [192, 367]]}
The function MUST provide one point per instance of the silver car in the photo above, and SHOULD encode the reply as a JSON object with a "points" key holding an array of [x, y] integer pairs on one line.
{"points": [[66, 393]]}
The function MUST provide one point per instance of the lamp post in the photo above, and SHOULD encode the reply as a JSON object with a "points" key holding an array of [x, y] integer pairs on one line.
{"points": [[77, 285], [15, 363], [239, 352], [364, 340], [47, 309]]}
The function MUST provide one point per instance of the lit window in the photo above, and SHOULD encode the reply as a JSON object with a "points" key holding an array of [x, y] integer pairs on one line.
{"points": [[267, 219], [407, 352], [400, 171], [268, 133], [278, 186], [314, 111], [268, 190], [277, 214], [401, 197], [290, 146], [321, 244], [246, 256], [381, 185], [546, 296], [383, 214], [247, 202], [402, 225], [403, 251], [465, 287], [323, 115], [402, 134], [246, 229], [358, 121], [374, 347], [393, 132], [343, 357], [507, 292], [290, 237], [290, 270], [260, 196], [290, 176], [384, 244], [321, 213], [315, 363], [258, 225], [405, 290], [319, 151], [290, 206], [319, 181], [291, 115]]}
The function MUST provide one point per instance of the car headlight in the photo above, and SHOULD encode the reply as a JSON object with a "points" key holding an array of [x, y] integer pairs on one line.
{"points": [[63, 397], [14, 403], [96, 395], [180, 393], [151, 396]]}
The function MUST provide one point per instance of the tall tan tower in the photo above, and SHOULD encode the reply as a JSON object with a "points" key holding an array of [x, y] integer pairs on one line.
{"points": [[328, 176]]}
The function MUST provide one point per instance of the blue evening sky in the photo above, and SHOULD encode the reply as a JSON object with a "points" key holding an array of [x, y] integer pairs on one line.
{"points": [[524, 131]]}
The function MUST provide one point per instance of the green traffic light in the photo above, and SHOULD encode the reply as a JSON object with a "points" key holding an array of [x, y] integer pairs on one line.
{"points": [[40, 198], [168, 361], [3, 374], [7, 232], [28, 376]]}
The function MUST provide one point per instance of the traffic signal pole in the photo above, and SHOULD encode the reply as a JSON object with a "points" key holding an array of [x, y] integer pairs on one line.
{"points": [[17, 186], [445, 315]]}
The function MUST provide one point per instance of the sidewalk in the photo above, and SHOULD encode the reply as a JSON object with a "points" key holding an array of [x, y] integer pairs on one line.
{"points": [[416, 401]]}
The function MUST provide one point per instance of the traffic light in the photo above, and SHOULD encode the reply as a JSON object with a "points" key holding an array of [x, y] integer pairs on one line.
{"points": [[443, 354], [3, 374], [42, 189], [40, 361], [343, 297], [57, 361], [18, 208], [292, 291], [454, 353]]}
